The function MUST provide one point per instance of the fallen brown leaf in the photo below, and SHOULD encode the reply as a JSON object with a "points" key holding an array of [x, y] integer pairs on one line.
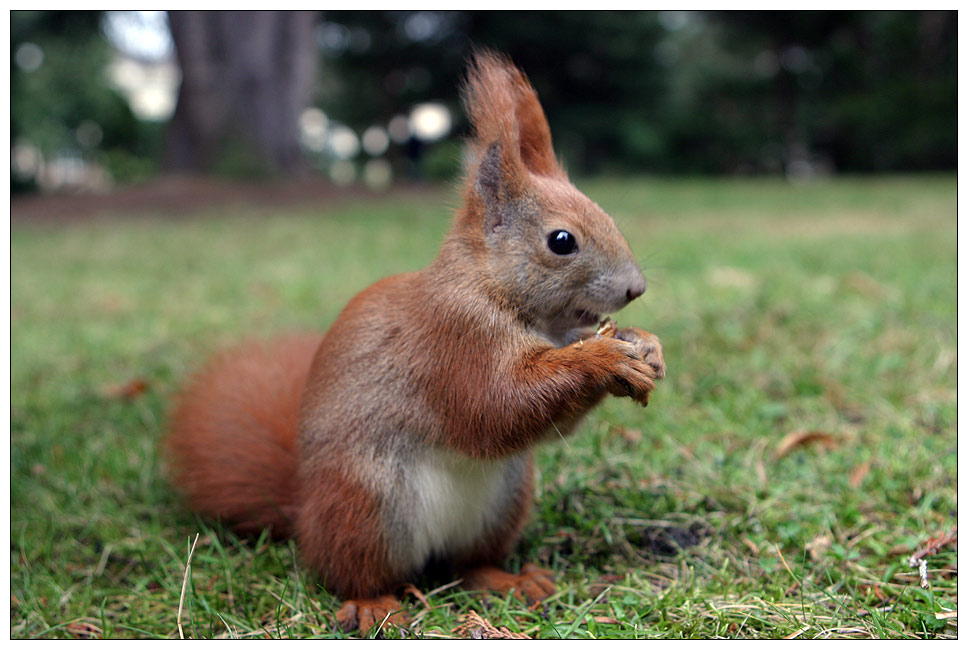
{"points": [[872, 590], [864, 284], [858, 474], [84, 630], [631, 436], [900, 549], [127, 390], [818, 546], [802, 438], [603, 582], [606, 620], [474, 626]]}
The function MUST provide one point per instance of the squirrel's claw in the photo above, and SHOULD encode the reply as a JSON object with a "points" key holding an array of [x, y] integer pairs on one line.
{"points": [[532, 585], [364, 613]]}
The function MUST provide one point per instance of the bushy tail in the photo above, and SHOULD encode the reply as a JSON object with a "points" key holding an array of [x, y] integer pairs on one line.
{"points": [[232, 444]]}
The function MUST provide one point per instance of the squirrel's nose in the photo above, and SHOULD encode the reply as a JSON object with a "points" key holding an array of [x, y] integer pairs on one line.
{"points": [[636, 288]]}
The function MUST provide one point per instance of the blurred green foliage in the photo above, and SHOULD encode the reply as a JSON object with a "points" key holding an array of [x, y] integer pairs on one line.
{"points": [[679, 92], [794, 93], [70, 88]]}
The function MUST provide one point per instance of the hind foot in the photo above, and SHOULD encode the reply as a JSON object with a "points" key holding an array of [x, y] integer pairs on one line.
{"points": [[532, 584], [364, 613]]}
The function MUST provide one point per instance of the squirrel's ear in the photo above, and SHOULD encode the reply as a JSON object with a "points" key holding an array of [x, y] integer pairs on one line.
{"points": [[499, 178], [534, 134], [503, 107]]}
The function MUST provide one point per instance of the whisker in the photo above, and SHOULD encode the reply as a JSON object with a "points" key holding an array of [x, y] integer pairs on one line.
{"points": [[563, 439]]}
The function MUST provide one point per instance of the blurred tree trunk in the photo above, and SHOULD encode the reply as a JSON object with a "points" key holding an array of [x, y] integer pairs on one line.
{"points": [[246, 77]]}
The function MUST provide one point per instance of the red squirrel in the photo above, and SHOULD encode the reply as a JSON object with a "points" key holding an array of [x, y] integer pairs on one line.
{"points": [[404, 434]]}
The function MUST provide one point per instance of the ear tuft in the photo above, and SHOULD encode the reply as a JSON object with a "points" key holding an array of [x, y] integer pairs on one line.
{"points": [[503, 107]]}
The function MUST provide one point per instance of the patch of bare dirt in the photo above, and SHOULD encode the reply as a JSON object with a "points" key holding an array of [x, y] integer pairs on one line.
{"points": [[185, 195]]}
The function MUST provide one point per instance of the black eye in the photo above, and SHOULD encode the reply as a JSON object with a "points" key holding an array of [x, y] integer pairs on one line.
{"points": [[562, 242]]}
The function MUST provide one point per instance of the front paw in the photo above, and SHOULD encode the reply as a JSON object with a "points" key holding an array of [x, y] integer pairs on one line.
{"points": [[632, 376], [618, 366], [647, 347], [633, 359]]}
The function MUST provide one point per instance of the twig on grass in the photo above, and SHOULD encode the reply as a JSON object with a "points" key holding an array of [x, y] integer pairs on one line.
{"points": [[474, 626], [923, 573], [797, 633], [181, 600], [932, 545], [930, 548]]}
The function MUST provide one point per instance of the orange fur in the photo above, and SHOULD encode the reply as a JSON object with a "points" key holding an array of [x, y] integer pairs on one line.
{"points": [[532, 584], [340, 534], [232, 440], [503, 107], [419, 407]]}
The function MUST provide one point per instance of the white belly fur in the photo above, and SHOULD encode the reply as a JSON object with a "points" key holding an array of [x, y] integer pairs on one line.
{"points": [[454, 501]]}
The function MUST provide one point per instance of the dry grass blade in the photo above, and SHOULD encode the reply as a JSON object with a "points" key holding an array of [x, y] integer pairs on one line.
{"points": [[181, 599], [474, 626], [858, 474], [803, 438], [416, 593], [797, 633]]}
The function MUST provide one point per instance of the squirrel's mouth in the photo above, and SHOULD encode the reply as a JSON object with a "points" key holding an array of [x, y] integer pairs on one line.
{"points": [[585, 318]]}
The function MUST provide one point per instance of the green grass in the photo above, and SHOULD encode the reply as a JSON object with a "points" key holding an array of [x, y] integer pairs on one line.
{"points": [[825, 307]]}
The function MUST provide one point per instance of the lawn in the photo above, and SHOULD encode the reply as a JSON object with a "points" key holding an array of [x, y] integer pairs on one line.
{"points": [[801, 449]]}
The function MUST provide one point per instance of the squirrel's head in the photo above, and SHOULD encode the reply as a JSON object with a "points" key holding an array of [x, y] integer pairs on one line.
{"points": [[549, 250]]}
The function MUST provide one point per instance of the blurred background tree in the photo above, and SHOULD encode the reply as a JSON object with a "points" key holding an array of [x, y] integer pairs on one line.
{"points": [[794, 93], [246, 78]]}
